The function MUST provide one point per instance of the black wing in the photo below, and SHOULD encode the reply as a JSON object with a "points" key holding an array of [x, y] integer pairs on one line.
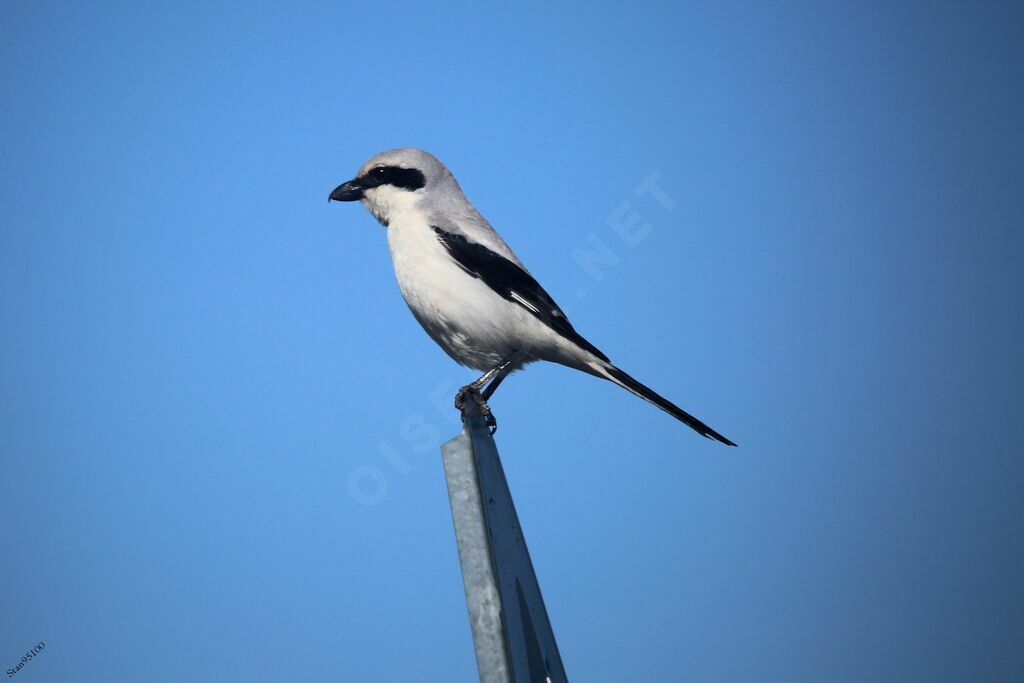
{"points": [[512, 283]]}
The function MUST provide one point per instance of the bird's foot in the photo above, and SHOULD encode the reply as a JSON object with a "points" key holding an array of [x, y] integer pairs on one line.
{"points": [[464, 392], [472, 393]]}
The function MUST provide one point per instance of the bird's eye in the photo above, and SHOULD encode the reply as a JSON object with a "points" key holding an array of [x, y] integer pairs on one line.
{"points": [[380, 172]]}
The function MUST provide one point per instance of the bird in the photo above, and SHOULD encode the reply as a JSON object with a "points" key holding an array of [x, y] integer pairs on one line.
{"points": [[468, 289]]}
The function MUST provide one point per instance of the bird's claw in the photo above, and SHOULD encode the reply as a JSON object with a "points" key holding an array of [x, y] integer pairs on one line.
{"points": [[460, 398], [471, 392], [489, 421]]}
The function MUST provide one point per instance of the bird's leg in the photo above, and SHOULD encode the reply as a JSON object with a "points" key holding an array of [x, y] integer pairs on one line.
{"points": [[503, 371], [474, 387], [476, 391]]}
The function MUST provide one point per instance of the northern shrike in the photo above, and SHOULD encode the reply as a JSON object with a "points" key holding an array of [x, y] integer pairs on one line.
{"points": [[465, 286]]}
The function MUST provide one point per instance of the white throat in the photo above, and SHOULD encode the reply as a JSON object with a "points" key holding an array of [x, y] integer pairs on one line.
{"points": [[386, 202]]}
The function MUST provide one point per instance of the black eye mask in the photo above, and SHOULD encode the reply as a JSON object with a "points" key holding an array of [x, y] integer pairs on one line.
{"points": [[405, 178]]}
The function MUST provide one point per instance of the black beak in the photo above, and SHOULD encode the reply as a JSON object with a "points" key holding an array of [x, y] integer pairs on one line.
{"points": [[347, 192]]}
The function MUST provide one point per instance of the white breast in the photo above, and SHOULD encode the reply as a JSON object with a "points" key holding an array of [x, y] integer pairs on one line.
{"points": [[471, 322]]}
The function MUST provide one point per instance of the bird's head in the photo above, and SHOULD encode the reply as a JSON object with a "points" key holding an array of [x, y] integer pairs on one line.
{"points": [[395, 181]]}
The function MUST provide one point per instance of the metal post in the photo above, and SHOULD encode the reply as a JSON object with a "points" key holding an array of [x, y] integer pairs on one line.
{"points": [[512, 634]]}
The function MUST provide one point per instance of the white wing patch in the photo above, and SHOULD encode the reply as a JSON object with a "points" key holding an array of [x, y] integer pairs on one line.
{"points": [[523, 302]]}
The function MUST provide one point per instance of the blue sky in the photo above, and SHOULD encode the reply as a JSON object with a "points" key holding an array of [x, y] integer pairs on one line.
{"points": [[220, 423]]}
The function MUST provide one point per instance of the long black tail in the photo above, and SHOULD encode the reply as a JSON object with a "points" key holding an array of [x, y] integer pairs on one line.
{"points": [[625, 381]]}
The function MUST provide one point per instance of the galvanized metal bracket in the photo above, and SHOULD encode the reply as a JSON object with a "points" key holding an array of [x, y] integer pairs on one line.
{"points": [[512, 634]]}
